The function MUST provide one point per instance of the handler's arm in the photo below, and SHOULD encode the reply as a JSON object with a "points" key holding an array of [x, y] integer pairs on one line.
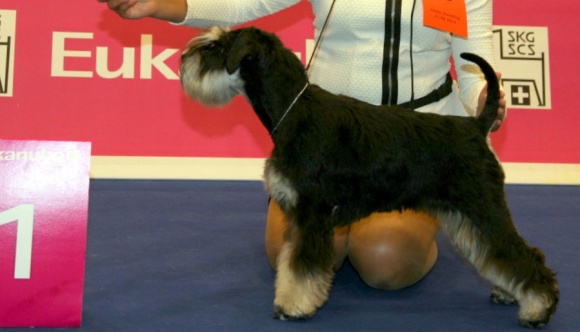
{"points": [[167, 10], [205, 13], [199, 13], [472, 85]]}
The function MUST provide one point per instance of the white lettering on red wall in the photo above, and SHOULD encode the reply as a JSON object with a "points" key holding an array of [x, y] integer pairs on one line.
{"points": [[99, 56]]}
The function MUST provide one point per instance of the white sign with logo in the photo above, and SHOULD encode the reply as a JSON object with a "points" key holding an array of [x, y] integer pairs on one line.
{"points": [[522, 56], [7, 40]]}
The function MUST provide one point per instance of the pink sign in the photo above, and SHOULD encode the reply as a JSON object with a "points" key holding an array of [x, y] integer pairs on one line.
{"points": [[43, 225]]}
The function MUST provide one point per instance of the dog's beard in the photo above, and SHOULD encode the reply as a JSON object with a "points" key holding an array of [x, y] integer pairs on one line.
{"points": [[212, 88]]}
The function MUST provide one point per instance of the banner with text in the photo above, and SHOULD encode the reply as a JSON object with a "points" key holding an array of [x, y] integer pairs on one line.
{"points": [[89, 75]]}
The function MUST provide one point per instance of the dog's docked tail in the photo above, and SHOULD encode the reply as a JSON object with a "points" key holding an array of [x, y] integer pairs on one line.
{"points": [[489, 112]]}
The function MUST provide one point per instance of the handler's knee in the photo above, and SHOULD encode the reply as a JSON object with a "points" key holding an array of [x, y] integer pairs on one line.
{"points": [[393, 250]]}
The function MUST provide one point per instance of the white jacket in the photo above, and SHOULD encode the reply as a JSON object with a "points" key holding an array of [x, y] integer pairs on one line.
{"points": [[351, 57]]}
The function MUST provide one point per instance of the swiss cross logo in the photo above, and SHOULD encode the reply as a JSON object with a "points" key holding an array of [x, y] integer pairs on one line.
{"points": [[520, 95], [522, 56]]}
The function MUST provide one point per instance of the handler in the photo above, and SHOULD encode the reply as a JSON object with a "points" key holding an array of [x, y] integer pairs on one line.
{"points": [[379, 52]]}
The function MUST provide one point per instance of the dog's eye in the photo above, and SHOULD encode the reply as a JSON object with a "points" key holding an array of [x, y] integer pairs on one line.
{"points": [[209, 48]]}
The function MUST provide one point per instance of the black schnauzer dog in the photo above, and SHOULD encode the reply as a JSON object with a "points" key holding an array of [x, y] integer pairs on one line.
{"points": [[337, 159]]}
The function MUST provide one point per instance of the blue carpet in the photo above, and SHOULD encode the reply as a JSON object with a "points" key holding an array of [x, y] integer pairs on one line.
{"points": [[189, 256]]}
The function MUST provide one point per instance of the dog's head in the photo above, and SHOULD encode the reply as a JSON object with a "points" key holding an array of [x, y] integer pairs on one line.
{"points": [[203, 72], [219, 63]]}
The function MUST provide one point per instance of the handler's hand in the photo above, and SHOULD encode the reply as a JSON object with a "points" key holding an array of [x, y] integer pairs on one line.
{"points": [[501, 111], [168, 10], [132, 9]]}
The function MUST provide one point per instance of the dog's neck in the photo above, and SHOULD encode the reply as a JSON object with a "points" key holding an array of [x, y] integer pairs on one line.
{"points": [[290, 84], [289, 108]]}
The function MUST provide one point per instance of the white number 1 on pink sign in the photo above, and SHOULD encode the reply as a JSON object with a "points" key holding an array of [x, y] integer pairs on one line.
{"points": [[23, 214]]}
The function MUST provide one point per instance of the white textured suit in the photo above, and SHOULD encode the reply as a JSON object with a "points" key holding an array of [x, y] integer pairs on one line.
{"points": [[366, 50]]}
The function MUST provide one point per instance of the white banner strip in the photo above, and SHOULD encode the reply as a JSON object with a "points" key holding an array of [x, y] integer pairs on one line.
{"points": [[176, 168], [188, 168]]}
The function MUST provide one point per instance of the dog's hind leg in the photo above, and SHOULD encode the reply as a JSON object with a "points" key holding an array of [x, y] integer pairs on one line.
{"points": [[490, 241], [304, 268]]}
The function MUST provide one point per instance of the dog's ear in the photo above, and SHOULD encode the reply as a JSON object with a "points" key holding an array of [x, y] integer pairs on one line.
{"points": [[244, 47]]}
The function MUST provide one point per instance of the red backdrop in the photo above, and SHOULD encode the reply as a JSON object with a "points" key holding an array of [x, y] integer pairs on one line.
{"points": [[66, 85]]}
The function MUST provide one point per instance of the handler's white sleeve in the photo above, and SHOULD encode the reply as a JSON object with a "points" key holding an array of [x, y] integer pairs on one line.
{"points": [[227, 13], [357, 53]]}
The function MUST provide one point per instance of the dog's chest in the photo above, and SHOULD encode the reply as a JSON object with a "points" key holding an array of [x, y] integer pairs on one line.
{"points": [[279, 186]]}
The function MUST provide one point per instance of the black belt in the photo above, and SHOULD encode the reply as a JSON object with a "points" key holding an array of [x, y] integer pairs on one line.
{"points": [[434, 96]]}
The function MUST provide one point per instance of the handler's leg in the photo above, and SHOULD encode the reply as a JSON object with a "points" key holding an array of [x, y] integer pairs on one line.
{"points": [[393, 250]]}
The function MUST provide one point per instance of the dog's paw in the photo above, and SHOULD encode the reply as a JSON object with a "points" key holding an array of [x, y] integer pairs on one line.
{"points": [[500, 296], [295, 308], [299, 295], [534, 323], [536, 310], [537, 320], [280, 314]]}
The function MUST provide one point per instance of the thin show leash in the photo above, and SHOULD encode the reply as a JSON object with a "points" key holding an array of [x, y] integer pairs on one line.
{"points": [[307, 68], [290, 107]]}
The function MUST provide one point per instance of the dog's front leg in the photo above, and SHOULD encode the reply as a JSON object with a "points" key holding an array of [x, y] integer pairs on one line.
{"points": [[304, 270]]}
